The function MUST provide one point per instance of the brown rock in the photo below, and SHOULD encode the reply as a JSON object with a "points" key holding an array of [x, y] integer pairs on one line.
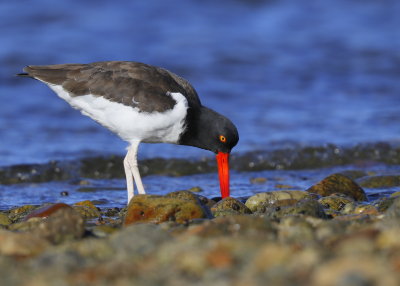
{"points": [[87, 209], [229, 206], [46, 210], [380, 181], [4, 219], [157, 209], [21, 244], [183, 195], [65, 224], [337, 183], [335, 202]]}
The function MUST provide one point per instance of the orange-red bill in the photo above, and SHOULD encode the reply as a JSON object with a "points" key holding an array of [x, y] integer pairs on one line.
{"points": [[223, 173]]}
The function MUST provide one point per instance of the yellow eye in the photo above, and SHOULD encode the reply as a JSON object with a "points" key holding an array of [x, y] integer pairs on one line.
{"points": [[222, 138]]}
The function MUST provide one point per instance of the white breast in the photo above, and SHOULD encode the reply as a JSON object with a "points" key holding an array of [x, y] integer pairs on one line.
{"points": [[130, 124]]}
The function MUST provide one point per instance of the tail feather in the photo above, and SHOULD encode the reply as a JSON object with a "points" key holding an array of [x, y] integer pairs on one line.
{"points": [[48, 74], [23, 74]]}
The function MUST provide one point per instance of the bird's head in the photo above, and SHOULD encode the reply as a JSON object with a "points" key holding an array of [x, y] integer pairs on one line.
{"points": [[212, 131]]}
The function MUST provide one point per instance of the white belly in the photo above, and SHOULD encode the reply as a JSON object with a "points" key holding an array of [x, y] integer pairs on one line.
{"points": [[130, 124]]}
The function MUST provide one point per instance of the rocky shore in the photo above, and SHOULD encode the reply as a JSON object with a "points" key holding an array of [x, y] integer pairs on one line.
{"points": [[329, 234]]}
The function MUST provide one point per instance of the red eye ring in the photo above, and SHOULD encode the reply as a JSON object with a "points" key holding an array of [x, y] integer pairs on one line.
{"points": [[222, 138]]}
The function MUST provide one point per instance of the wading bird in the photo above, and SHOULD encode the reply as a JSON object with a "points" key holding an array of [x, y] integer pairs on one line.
{"points": [[142, 103]]}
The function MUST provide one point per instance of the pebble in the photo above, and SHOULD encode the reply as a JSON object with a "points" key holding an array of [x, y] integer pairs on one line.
{"points": [[87, 209], [338, 183], [380, 181], [229, 206], [260, 201]]}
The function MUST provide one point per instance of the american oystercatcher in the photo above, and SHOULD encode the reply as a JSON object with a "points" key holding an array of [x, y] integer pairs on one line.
{"points": [[142, 103]]}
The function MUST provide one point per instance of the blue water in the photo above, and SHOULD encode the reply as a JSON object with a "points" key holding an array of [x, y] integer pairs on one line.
{"points": [[308, 72]]}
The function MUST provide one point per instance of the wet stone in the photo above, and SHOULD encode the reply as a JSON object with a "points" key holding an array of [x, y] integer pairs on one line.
{"points": [[111, 212], [366, 209], [4, 219], [229, 206], [395, 194], [376, 182], [206, 201], [337, 183], [195, 190], [258, 180], [46, 211], [260, 201], [87, 209], [305, 207], [26, 225], [156, 209], [19, 213], [384, 203], [335, 202], [348, 208]]}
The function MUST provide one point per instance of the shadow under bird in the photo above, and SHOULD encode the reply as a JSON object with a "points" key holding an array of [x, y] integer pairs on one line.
{"points": [[142, 103]]}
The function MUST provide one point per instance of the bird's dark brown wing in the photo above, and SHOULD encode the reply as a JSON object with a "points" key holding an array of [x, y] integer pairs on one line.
{"points": [[130, 83]]}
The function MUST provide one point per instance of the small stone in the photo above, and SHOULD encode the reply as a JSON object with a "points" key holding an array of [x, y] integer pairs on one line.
{"points": [[206, 201], [366, 209], [395, 194], [4, 219], [267, 199], [335, 202], [337, 183], [157, 209], [382, 204], [19, 213], [195, 190], [87, 209], [229, 206], [283, 186], [380, 181], [258, 180], [46, 211], [110, 212], [305, 207]]}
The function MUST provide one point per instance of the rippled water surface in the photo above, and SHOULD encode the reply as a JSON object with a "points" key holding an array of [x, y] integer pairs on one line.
{"points": [[286, 72]]}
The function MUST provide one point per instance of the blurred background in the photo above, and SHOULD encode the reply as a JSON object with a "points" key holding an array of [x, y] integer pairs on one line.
{"points": [[286, 72]]}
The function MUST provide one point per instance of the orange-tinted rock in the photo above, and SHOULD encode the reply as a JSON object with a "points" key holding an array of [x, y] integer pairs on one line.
{"points": [[157, 209], [87, 209], [46, 210], [337, 183]]}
